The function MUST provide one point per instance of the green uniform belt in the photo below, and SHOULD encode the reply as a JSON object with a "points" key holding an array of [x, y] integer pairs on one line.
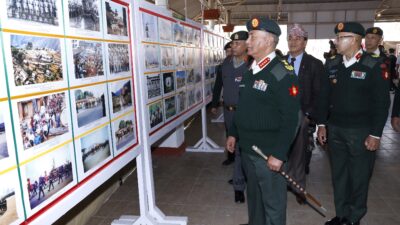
{"points": [[230, 107]]}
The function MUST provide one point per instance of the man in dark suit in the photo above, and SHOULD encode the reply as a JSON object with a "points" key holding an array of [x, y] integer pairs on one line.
{"points": [[308, 69]]}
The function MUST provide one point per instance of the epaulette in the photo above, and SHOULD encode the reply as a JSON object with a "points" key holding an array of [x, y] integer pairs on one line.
{"points": [[369, 60], [280, 70], [333, 61]]}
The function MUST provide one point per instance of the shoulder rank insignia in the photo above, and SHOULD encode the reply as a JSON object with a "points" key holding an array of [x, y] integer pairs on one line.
{"points": [[287, 65], [293, 90], [375, 55]]}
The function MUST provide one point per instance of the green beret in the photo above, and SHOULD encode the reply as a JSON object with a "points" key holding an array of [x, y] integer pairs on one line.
{"points": [[374, 30], [240, 36], [227, 45], [264, 24], [352, 27]]}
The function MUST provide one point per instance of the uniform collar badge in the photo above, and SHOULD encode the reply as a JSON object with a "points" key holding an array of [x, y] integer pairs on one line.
{"points": [[358, 56], [293, 90], [264, 62]]}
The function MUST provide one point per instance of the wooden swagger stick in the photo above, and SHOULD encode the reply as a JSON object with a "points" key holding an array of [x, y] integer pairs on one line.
{"points": [[291, 181]]}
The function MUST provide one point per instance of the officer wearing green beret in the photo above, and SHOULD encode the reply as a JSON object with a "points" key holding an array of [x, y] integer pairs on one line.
{"points": [[233, 69], [355, 95], [266, 116]]}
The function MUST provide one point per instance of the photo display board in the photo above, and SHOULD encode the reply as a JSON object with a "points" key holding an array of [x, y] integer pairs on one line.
{"points": [[170, 69], [67, 99]]}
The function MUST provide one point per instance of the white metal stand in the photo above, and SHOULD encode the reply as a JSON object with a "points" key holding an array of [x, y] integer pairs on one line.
{"points": [[219, 119]]}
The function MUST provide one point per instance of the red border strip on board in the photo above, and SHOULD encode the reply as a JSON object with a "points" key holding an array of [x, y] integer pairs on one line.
{"points": [[165, 124], [190, 25], [78, 185], [82, 182], [156, 14]]}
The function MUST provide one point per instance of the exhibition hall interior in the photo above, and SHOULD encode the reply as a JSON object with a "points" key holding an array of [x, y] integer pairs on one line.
{"points": [[199, 112]]}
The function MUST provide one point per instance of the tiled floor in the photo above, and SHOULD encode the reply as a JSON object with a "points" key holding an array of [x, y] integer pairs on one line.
{"points": [[195, 185]]}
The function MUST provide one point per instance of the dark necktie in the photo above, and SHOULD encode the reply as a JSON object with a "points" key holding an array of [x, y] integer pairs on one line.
{"points": [[292, 61]]}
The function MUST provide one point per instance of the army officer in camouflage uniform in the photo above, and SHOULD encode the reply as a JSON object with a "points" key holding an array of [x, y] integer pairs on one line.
{"points": [[355, 95], [266, 116]]}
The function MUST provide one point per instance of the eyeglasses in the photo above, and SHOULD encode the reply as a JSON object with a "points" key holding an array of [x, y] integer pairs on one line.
{"points": [[342, 37]]}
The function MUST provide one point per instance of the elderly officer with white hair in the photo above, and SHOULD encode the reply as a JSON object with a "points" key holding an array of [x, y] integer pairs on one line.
{"points": [[266, 116]]}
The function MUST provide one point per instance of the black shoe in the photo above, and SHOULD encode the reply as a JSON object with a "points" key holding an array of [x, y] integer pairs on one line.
{"points": [[334, 221], [227, 162], [239, 197], [230, 181]]}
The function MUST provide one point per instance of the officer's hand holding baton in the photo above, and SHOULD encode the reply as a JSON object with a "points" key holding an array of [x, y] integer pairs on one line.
{"points": [[230, 144]]}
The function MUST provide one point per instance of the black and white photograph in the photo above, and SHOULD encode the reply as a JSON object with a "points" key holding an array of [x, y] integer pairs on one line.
{"points": [[90, 104], [165, 27], [8, 203], [124, 131], [180, 79], [151, 57], [199, 93], [197, 74], [191, 100], [156, 115], [3, 139], [170, 107], [179, 33], [95, 148], [150, 30], [168, 82], [118, 58], [207, 72], [84, 14], [189, 34], [153, 86], [208, 89], [197, 57], [196, 38], [36, 60], [38, 11], [117, 20], [48, 175], [121, 94], [189, 76], [167, 57], [43, 119], [189, 53], [180, 57], [87, 58], [181, 101], [212, 72]]}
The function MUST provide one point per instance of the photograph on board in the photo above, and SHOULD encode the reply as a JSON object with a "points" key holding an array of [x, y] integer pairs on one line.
{"points": [[180, 57], [188, 34], [38, 11], [35, 60], [197, 74], [8, 203], [47, 175], [165, 28], [43, 119], [208, 89], [212, 72], [3, 138], [196, 37], [189, 57], [168, 82], [90, 104], [181, 101], [84, 14], [95, 148], [190, 97], [156, 115], [167, 57], [124, 131], [189, 76], [207, 72], [199, 93], [153, 86], [149, 26], [116, 16], [151, 57], [169, 107], [118, 58], [121, 94], [180, 79], [88, 59], [178, 33]]}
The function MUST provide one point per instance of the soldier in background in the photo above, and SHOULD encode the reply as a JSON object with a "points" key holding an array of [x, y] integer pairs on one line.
{"points": [[353, 104]]}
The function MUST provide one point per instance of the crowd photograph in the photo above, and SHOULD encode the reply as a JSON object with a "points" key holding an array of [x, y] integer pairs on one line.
{"points": [[95, 148]]}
